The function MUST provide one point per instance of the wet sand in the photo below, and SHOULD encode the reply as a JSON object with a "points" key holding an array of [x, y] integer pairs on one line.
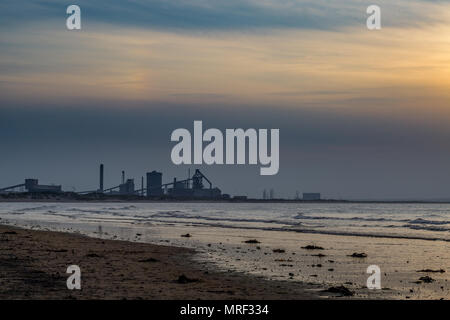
{"points": [[284, 256], [33, 266]]}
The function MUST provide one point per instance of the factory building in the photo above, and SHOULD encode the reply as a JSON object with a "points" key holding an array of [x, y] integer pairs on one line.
{"points": [[213, 193], [33, 186], [181, 189], [154, 184], [311, 196], [127, 188], [190, 188]]}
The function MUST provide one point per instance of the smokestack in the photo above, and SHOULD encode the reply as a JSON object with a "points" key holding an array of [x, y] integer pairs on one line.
{"points": [[123, 177], [189, 177], [101, 178]]}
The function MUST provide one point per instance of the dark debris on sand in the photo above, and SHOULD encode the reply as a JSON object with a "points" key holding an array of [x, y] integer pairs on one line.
{"points": [[426, 279], [340, 290], [432, 271], [149, 260], [252, 241], [93, 255], [9, 232], [187, 235], [358, 255], [183, 279], [279, 250], [312, 247]]}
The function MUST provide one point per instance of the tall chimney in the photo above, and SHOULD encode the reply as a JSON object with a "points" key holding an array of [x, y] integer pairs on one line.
{"points": [[188, 178], [101, 178], [123, 177]]}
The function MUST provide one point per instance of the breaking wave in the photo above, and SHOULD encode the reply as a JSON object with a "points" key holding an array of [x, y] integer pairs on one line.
{"points": [[431, 223]]}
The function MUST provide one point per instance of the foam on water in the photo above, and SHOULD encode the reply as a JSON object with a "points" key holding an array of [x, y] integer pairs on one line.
{"points": [[415, 221]]}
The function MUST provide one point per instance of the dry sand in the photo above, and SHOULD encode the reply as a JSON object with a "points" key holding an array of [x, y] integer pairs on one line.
{"points": [[33, 266]]}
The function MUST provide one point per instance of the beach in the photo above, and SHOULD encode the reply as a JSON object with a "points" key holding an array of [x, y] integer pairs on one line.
{"points": [[239, 251], [33, 266]]}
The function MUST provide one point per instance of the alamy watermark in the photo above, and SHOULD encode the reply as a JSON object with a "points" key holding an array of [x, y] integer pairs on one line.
{"points": [[235, 150], [373, 22], [374, 280], [74, 280], [73, 22]]}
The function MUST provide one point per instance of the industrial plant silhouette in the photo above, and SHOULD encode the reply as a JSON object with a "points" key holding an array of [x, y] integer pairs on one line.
{"points": [[195, 187], [190, 188]]}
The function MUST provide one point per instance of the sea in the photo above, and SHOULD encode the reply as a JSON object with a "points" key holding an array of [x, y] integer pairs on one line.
{"points": [[389, 220]]}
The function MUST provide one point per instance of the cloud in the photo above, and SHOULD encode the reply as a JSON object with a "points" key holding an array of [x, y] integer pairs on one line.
{"points": [[207, 15], [293, 68], [83, 122], [361, 113]]}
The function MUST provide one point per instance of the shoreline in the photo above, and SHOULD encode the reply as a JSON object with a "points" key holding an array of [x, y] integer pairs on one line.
{"points": [[231, 261], [55, 198], [33, 266]]}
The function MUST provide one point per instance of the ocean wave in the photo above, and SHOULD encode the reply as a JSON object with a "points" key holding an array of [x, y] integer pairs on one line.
{"points": [[383, 224], [424, 221], [322, 230], [301, 216], [180, 215], [97, 212], [38, 208], [130, 207], [427, 228]]}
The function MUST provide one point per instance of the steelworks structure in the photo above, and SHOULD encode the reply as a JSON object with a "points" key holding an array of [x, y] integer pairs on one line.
{"points": [[190, 188]]}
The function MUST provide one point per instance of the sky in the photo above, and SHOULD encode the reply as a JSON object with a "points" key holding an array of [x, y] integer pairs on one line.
{"points": [[362, 114]]}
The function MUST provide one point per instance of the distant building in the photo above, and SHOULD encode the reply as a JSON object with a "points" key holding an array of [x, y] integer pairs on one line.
{"points": [[127, 187], [311, 196], [179, 189], [154, 184], [33, 186], [214, 193], [241, 198]]}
